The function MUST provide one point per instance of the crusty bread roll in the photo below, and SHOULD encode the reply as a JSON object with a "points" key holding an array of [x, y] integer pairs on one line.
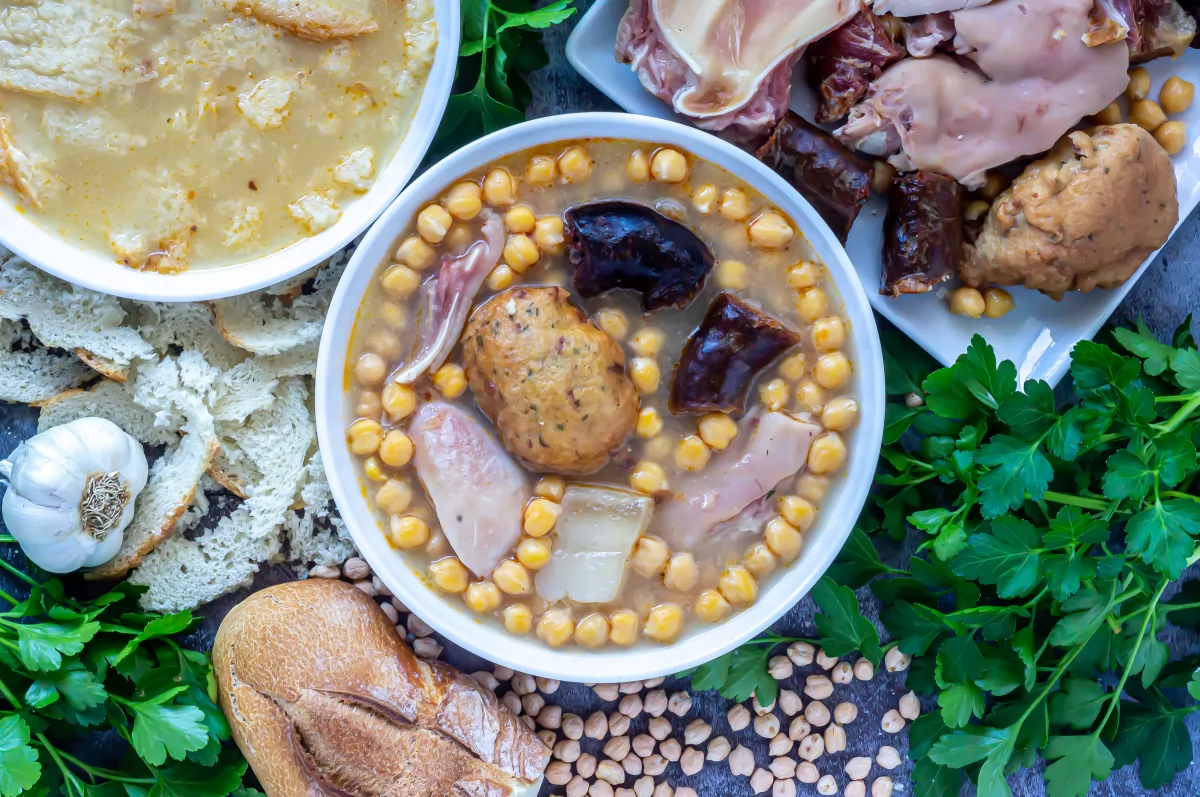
{"points": [[324, 698]]}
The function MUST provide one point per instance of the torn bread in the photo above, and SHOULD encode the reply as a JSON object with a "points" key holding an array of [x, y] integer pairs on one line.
{"points": [[23, 172], [112, 401], [30, 373], [315, 20]]}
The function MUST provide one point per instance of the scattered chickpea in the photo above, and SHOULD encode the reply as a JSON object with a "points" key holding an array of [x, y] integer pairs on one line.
{"points": [[575, 165], [967, 301], [825, 661], [735, 205], [365, 437], [548, 234], [1172, 137], [738, 717], [882, 787], [592, 631], [648, 478], [801, 653], [733, 275], [997, 302], [520, 218], [1139, 84], [369, 404], [663, 622], [520, 252], [512, 578], [450, 575], [385, 344], [812, 747], [864, 670], [910, 706], [638, 167], [741, 761], [648, 342], [794, 367], [771, 231], [818, 687], [783, 539], [892, 722], [832, 370], [534, 553], [845, 713], [669, 166], [612, 323], [888, 757], [807, 772], [502, 277], [645, 374], [450, 380], [555, 627], [433, 222], [415, 253], [896, 660], [827, 785], [1176, 95], [1147, 115], [704, 198], [658, 448], [500, 188], [649, 422], [399, 401], [855, 788], [817, 715], [394, 496]]}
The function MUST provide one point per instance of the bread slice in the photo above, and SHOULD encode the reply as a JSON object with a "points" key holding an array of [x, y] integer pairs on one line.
{"points": [[24, 172], [31, 374], [112, 401], [315, 535], [315, 20], [185, 325], [263, 323]]}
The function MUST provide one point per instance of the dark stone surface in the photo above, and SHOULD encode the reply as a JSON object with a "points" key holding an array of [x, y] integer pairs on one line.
{"points": [[1164, 297]]}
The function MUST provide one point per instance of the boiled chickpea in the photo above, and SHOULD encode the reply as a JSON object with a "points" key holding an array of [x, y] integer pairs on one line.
{"points": [[1172, 136], [803, 275], [1111, 115], [795, 367], [738, 585], [400, 401], [967, 301], [735, 205], [482, 597], [500, 188], [450, 575], [1139, 84], [433, 222], [541, 514], [551, 487], [1147, 115], [548, 234], [658, 448], [774, 395], [812, 487], [438, 546], [464, 201], [649, 423], [408, 532], [976, 210], [669, 166], [556, 627], [759, 560], [882, 177], [373, 468], [771, 231], [385, 344], [534, 553], [612, 322], [638, 167], [396, 450], [829, 333], [810, 396], [832, 370], [648, 342], [682, 573], [797, 511], [649, 556], [400, 281], [645, 374], [648, 478], [512, 577], [394, 315], [711, 606], [995, 185], [664, 622], [998, 302], [394, 496], [839, 414], [575, 165], [415, 253], [369, 404], [827, 454], [623, 627], [518, 619], [783, 539], [501, 278], [704, 198], [450, 380], [592, 631], [1176, 95], [733, 275], [812, 304], [540, 171], [520, 252], [692, 454], [370, 369], [520, 219], [717, 430]]}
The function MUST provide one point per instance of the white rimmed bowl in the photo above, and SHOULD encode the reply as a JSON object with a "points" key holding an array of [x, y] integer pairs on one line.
{"points": [[451, 617], [21, 233]]}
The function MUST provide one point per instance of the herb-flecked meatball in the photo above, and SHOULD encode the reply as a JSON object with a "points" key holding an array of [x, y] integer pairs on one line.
{"points": [[551, 381]]}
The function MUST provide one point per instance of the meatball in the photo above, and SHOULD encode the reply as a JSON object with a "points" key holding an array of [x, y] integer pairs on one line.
{"points": [[1084, 217], [551, 381]]}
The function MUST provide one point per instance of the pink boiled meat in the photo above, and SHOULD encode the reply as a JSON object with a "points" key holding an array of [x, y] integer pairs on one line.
{"points": [[775, 447], [1036, 79], [446, 301], [477, 490], [917, 8]]}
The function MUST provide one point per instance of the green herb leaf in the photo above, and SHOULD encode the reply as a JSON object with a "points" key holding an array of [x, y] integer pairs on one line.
{"points": [[42, 646], [1078, 704], [959, 660], [1067, 571], [991, 775], [915, 626], [165, 626], [960, 702], [858, 561], [19, 767], [1186, 365], [842, 626], [1161, 532], [968, 746], [1029, 414], [1080, 760], [1007, 557], [1073, 526], [1153, 733], [933, 780], [192, 780], [1194, 685], [161, 730], [897, 419], [1017, 468], [74, 683], [1156, 356]]}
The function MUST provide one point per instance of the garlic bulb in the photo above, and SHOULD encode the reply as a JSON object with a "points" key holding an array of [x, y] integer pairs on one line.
{"points": [[71, 493]]}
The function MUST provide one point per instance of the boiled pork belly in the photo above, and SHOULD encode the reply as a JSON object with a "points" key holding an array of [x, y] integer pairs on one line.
{"points": [[917, 8], [1035, 79]]}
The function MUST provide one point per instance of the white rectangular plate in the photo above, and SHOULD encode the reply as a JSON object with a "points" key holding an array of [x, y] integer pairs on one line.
{"points": [[1038, 335]]}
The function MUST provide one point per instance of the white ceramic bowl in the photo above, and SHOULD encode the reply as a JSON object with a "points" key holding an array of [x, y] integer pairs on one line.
{"points": [[20, 232], [527, 654]]}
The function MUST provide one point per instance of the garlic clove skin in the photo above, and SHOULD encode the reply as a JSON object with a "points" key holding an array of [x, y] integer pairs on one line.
{"points": [[52, 473]]}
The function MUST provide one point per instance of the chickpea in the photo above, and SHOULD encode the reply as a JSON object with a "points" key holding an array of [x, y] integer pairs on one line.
{"points": [[394, 496], [520, 219], [1111, 115], [540, 516], [738, 585], [648, 342], [1139, 84], [592, 631], [438, 546], [995, 185], [433, 222], [520, 252], [415, 253], [664, 622], [396, 450], [540, 171], [711, 606], [649, 557], [450, 575], [658, 448], [832, 370], [623, 627], [534, 553], [810, 395], [759, 560], [459, 239], [774, 395], [882, 177], [518, 619], [976, 210], [502, 277], [682, 573], [704, 198], [365, 437], [733, 275], [369, 404], [638, 167], [812, 487], [482, 597], [1172, 136], [394, 315], [803, 275], [400, 401], [552, 487], [692, 453], [967, 301], [771, 231], [548, 234], [735, 205], [450, 380], [500, 188], [612, 323], [649, 478], [408, 532], [717, 430], [512, 578], [1147, 115], [400, 281], [575, 165], [464, 200], [998, 302], [556, 627], [812, 304], [839, 414], [1176, 95], [645, 374], [795, 367], [373, 468], [827, 454], [797, 511], [783, 539], [649, 423], [669, 166], [829, 333]]}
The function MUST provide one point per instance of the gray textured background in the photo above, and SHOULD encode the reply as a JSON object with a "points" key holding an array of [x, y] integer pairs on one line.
{"points": [[1167, 292]]}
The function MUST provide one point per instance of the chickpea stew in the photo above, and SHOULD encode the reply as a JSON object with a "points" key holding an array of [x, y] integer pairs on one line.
{"points": [[599, 392]]}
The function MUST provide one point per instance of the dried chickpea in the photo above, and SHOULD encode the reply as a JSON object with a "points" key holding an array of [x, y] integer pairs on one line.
{"points": [[829, 333], [812, 303], [534, 552], [711, 606], [555, 627], [450, 575], [394, 496], [803, 275], [512, 577], [794, 368], [759, 560], [704, 197], [882, 177], [771, 231], [839, 414], [540, 171], [552, 487], [1176, 95], [774, 395], [1139, 84], [520, 218], [592, 631], [501, 278], [548, 234], [648, 342], [575, 165], [518, 619], [810, 395], [733, 275], [399, 401], [396, 449], [692, 453], [717, 430], [1111, 115], [482, 597], [540, 516], [373, 468], [797, 511], [623, 627], [365, 437], [1172, 136], [612, 323], [464, 200], [832, 370], [827, 454], [735, 205], [433, 222], [783, 539], [649, 423], [649, 556], [499, 188], [638, 167], [415, 253], [400, 281], [669, 166], [682, 573], [370, 369], [663, 622], [520, 252], [369, 405], [645, 374], [1147, 115], [967, 301], [738, 585], [998, 302], [450, 380], [408, 532]]}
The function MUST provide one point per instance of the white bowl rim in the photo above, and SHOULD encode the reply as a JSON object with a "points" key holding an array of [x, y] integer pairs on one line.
{"points": [[528, 654], [68, 261]]}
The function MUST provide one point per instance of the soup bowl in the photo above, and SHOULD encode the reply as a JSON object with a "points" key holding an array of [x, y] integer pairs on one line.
{"points": [[37, 243], [485, 637]]}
